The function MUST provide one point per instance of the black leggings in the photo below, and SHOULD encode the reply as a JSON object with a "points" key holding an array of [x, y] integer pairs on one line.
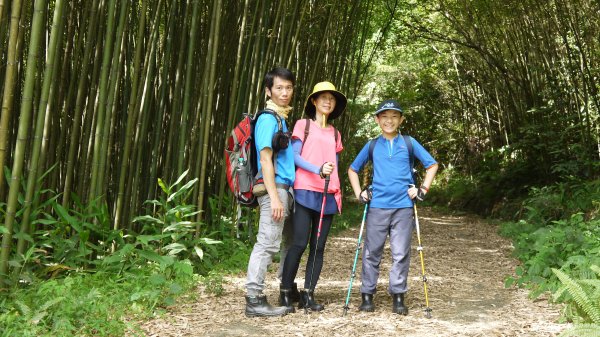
{"points": [[306, 224]]}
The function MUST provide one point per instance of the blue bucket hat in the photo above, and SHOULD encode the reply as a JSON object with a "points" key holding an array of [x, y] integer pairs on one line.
{"points": [[388, 104]]}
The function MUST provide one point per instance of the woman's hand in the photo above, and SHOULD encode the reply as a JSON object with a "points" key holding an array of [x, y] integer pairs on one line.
{"points": [[326, 169]]}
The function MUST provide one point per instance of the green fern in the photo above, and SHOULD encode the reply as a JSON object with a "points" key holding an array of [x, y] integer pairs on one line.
{"points": [[587, 299], [579, 295], [582, 330], [23, 308]]}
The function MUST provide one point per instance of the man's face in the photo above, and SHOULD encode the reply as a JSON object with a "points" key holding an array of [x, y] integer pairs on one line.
{"points": [[389, 120], [281, 92]]}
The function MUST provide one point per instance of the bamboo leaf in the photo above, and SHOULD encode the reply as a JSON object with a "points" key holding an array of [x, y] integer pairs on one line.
{"points": [[147, 218], [153, 202], [64, 214], [183, 189], [209, 241], [179, 179], [175, 245], [151, 256], [199, 252], [163, 186], [177, 226], [146, 239], [45, 222], [24, 236]]}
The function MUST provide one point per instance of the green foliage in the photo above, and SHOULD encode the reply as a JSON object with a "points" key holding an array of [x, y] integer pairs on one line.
{"points": [[92, 304], [584, 296], [559, 228], [213, 283], [171, 228], [351, 217], [64, 240]]}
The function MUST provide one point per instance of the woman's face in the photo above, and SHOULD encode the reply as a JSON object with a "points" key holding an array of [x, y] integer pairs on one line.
{"points": [[324, 103]]}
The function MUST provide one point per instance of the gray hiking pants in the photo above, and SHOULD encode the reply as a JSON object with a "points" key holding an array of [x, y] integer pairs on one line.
{"points": [[399, 224], [269, 241]]}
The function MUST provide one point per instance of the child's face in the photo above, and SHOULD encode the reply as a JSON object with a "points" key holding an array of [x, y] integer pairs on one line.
{"points": [[389, 121]]}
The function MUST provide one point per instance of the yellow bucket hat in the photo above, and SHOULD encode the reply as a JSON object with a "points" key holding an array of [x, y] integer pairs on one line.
{"points": [[340, 100]]}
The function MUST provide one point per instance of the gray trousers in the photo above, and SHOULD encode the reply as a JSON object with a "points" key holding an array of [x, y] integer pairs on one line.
{"points": [[270, 238], [399, 224]]}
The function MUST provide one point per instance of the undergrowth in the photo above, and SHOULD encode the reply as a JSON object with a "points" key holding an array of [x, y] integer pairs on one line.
{"points": [[80, 277], [557, 240]]}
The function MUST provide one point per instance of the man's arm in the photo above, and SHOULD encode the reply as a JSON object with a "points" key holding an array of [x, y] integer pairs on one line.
{"points": [[268, 175]]}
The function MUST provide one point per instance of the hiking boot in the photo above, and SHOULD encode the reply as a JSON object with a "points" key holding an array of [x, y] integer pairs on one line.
{"points": [[295, 295], [398, 306], [367, 303], [257, 306], [285, 299], [307, 300]]}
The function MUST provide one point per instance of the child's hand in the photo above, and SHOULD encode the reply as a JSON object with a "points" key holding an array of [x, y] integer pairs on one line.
{"points": [[365, 195], [418, 193]]}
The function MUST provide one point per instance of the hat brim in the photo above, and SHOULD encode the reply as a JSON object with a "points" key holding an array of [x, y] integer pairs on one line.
{"points": [[377, 112], [340, 104]]}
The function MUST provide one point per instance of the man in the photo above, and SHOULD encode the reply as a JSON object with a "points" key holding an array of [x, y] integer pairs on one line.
{"points": [[391, 204], [277, 171]]}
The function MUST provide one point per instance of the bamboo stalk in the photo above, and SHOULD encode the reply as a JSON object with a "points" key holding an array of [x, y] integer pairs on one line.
{"points": [[24, 128]]}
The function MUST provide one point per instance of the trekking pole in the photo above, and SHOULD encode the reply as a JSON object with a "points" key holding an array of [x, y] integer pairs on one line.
{"points": [[353, 273], [312, 271], [420, 250]]}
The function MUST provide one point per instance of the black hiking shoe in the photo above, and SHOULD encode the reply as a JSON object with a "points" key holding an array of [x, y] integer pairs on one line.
{"points": [[295, 295], [367, 303], [398, 306], [257, 306], [285, 299], [307, 300]]}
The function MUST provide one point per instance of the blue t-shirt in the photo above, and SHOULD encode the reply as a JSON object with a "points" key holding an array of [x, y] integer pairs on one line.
{"points": [[266, 126], [391, 170]]}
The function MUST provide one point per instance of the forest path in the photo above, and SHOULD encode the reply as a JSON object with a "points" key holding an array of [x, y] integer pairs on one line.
{"points": [[466, 262]]}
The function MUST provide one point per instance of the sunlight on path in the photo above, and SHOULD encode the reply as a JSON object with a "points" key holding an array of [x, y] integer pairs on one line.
{"points": [[466, 263]]}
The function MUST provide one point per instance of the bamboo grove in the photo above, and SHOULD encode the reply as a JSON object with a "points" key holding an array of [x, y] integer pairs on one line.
{"points": [[515, 81], [100, 98]]}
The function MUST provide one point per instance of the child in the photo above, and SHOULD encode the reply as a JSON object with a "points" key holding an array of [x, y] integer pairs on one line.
{"points": [[391, 204]]}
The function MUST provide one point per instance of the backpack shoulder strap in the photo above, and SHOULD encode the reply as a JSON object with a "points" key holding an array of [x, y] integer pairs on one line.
{"points": [[306, 129], [372, 143], [279, 125], [411, 156], [274, 114]]}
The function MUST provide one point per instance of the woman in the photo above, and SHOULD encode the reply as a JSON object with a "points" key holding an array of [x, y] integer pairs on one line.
{"points": [[316, 147]]}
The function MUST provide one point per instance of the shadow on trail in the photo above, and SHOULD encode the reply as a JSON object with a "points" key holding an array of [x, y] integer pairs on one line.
{"points": [[466, 262]]}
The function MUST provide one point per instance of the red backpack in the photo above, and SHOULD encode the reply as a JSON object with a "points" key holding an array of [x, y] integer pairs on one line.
{"points": [[240, 159]]}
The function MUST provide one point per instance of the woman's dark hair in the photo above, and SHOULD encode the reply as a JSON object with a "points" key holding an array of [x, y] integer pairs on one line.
{"points": [[280, 72]]}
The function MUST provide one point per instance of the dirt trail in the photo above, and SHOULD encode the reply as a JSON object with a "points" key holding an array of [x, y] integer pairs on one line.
{"points": [[465, 260]]}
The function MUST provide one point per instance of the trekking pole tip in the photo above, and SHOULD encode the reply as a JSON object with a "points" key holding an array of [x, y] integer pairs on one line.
{"points": [[428, 312]]}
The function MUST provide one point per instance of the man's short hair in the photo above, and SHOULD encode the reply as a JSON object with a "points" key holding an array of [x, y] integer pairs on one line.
{"points": [[280, 72]]}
